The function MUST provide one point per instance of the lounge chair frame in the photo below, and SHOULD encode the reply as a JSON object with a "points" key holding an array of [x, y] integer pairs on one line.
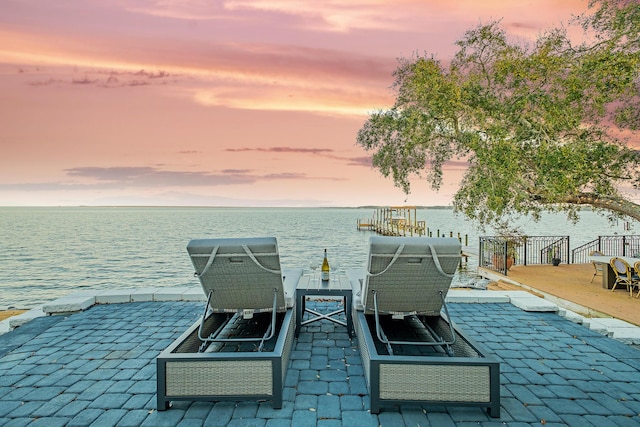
{"points": [[215, 336], [439, 340], [470, 378], [442, 365], [184, 373], [210, 361]]}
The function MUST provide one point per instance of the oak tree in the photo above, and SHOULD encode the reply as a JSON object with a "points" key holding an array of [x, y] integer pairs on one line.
{"points": [[541, 126]]}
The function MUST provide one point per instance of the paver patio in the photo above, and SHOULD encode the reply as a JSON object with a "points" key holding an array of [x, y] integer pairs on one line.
{"points": [[97, 367]]}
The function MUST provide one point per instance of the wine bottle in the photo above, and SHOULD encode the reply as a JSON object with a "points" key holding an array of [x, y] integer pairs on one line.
{"points": [[324, 270]]}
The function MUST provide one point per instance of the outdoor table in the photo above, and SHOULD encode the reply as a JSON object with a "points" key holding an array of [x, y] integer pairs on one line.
{"points": [[337, 286], [608, 276]]}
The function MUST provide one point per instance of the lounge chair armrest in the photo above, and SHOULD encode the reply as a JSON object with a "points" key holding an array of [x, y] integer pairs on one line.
{"points": [[291, 277], [356, 279]]}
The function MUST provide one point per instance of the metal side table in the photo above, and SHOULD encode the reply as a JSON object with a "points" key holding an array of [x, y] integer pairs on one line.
{"points": [[337, 286]]}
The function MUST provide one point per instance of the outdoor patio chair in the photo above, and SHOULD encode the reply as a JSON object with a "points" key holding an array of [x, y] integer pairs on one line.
{"points": [[409, 276], [411, 350], [241, 347], [240, 275], [597, 266], [624, 274]]}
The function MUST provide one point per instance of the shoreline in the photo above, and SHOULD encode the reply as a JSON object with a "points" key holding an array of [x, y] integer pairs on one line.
{"points": [[5, 314]]}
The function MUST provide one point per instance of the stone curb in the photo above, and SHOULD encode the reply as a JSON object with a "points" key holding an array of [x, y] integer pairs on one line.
{"points": [[80, 301]]}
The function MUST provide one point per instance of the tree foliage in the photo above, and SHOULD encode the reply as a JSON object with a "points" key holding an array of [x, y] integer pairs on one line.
{"points": [[539, 125]]}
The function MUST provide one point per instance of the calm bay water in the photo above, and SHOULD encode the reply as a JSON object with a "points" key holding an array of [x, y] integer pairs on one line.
{"points": [[48, 252]]}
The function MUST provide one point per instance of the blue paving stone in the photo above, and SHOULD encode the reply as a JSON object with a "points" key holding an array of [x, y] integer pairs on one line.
{"points": [[54, 405], [53, 421], [292, 377], [328, 407], [30, 380], [613, 389], [266, 410], [355, 370], [16, 422], [86, 367], [138, 401], [517, 410], [623, 421], [390, 419], [190, 422], [567, 392], [336, 364], [572, 420], [134, 364], [101, 374], [313, 387], [554, 379], [303, 417], [618, 407], [26, 333], [542, 391], [85, 417], [98, 388], [146, 373], [110, 400], [169, 418], [306, 402], [465, 413], [120, 386], [44, 393], [133, 418], [62, 378], [124, 374], [440, 419], [357, 385], [338, 388], [333, 375], [524, 394], [337, 352], [515, 363], [141, 387], [245, 410], [354, 359], [318, 362], [319, 351], [109, 418], [564, 406], [289, 394], [326, 423], [544, 413], [73, 408], [220, 414], [8, 406], [600, 421], [359, 419], [594, 408], [413, 415], [308, 375], [351, 403]]}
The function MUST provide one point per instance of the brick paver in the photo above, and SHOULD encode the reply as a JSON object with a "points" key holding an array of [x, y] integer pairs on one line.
{"points": [[97, 367]]}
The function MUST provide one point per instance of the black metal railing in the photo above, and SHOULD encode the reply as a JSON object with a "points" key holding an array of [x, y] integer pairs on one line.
{"points": [[500, 253], [608, 245]]}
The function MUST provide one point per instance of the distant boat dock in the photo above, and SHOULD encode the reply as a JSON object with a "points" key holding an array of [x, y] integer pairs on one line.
{"points": [[403, 221], [394, 221]]}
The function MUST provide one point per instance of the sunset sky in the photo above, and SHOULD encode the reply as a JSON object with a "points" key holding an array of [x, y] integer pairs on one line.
{"points": [[217, 103]]}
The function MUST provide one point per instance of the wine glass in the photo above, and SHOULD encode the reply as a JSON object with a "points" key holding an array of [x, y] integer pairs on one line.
{"points": [[313, 266], [335, 267]]}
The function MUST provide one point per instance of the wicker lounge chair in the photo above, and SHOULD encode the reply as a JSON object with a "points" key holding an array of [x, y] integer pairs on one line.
{"points": [[240, 347], [411, 350]]}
